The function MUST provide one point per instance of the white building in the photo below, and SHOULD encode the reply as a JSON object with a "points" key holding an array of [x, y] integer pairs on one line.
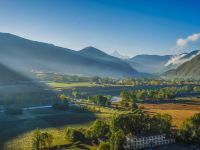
{"points": [[148, 141]]}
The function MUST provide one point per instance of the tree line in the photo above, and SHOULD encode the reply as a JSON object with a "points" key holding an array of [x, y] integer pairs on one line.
{"points": [[100, 100], [64, 78], [111, 135], [166, 93]]}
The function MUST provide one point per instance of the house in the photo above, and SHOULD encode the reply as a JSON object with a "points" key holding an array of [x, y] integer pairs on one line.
{"points": [[147, 141]]}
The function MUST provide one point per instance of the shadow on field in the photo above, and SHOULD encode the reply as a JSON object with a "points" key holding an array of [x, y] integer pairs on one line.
{"points": [[10, 129], [23, 89], [17, 88]]}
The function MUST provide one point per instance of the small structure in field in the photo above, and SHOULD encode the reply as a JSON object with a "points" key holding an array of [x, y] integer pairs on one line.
{"points": [[147, 141]]}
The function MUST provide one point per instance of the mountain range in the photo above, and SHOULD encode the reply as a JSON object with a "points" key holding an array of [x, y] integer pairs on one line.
{"points": [[156, 64], [24, 56], [149, 63]]}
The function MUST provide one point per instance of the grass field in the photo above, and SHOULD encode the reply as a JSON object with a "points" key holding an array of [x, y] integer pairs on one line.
{"points": [[58, 85], [179, 111], [24, 141], [20, 137]]}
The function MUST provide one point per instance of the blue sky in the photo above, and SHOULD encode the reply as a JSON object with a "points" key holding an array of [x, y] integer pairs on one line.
{"points": [[128, 26]]}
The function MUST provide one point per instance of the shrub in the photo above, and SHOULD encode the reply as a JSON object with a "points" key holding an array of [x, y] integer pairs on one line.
{"points": [[99, 129], [88, 134], [117, 140], [41, 140], [138, 123], [74, 134], [190, 129], [104, 146]]}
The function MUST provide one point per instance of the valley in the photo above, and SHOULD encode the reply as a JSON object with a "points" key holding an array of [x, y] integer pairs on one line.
{"points": [[99, 75], [59, 89], [56, 121]]}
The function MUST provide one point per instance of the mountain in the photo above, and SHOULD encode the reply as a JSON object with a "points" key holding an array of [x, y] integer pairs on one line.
{"points": [[118, 55], [160, 64], [188, 70], [26, 55], [149, 63], [179, 59]]}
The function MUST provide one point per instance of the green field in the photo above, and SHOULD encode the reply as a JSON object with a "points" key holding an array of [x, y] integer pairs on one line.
{"points": [[23, 142], [59, 85], [20, 137]]}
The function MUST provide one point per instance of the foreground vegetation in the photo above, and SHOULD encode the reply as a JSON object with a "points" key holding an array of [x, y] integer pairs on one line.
{"points": [[114, 131], [79, 116], [111, 135]]}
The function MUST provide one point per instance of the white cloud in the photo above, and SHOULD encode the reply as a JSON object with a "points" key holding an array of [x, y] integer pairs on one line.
{"points": [[194, 37], [182, 42], [177, 60]]}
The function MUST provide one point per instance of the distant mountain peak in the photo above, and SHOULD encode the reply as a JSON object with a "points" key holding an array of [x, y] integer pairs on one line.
{"points": [[92, 51], [118, 55], [90, 48]]}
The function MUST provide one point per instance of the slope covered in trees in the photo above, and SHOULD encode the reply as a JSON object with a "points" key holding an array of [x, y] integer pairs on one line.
{"points": [[188, 70]]}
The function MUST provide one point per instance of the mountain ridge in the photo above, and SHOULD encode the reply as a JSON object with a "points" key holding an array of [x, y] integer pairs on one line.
{"points": [[149, 63], [48, 57], [188, 70]]}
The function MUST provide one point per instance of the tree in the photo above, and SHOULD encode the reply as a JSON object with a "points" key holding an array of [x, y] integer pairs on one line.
{"points": [[108, 103], [41, 140], [160, 123], [117, 140], [46, 140], [104, 146], [124, 103], [190, 129], [125, 96], [134, 123], [100, 100], [62, 97], [138, 123], [134, 106], [140, 95], [36, 141], [74, 134], [74, 93], [99, 129]]}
